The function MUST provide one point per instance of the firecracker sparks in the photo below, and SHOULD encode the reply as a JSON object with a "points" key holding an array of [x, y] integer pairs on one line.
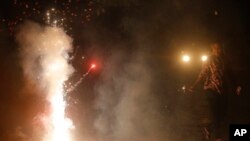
{"points": [[60, 126], [47, 48], [65, 13], [68, 90]]}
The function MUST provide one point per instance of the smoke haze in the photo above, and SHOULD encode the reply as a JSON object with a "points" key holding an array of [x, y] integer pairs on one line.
{"points": [[39, 45], [125, 103], [44, 54]]}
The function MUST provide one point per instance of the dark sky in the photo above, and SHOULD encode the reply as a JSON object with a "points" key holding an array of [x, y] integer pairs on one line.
{"points": [[160, 29]]}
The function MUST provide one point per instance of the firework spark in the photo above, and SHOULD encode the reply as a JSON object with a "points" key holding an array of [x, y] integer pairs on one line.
{"points": [[93, 66], [64, 14]]}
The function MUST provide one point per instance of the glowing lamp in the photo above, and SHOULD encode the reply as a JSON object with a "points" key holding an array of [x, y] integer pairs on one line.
{"points": [[185, 58], [204, 58]]}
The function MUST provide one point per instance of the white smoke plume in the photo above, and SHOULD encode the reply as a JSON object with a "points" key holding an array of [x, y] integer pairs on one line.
{"points": [[125, 103], [44, 53]]}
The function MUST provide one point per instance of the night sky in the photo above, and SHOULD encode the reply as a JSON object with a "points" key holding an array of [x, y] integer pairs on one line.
{"points": [[136, 45]]}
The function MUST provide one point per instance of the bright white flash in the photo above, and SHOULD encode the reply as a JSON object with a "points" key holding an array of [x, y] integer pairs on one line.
{"points": [[57, 69]]}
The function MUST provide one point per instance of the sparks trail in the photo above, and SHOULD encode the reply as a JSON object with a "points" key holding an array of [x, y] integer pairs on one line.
{"points": [[93, 66]]}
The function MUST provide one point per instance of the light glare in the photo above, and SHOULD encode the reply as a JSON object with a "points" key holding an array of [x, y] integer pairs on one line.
{"points": [[204, 58], [93, 66], [185, 58]]}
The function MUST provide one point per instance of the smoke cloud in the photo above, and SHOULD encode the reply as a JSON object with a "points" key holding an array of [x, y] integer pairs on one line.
{"points": [[44, 59], [39, 46], [125, 103]]}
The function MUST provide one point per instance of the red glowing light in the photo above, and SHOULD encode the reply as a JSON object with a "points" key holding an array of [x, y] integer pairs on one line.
{"points": [[93, 66]]}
